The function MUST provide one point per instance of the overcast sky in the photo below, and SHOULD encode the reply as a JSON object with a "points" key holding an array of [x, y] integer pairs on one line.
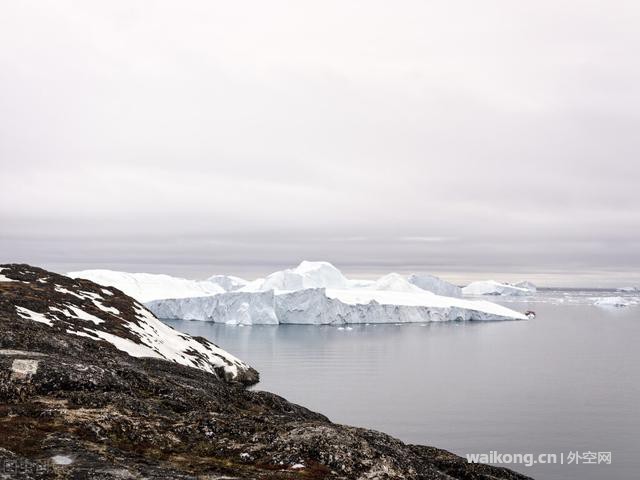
{"points": [[465, 138]]}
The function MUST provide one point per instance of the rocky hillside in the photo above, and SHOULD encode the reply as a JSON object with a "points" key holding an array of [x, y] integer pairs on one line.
{"points": [[69, 308], [92, 386]]}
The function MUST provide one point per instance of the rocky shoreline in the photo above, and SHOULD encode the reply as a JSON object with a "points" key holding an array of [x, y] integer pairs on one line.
{"points": [[77, 402]]}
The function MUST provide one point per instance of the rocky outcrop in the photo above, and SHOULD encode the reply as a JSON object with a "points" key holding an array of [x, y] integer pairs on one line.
{"points": [[83, 313], [78, 406]]}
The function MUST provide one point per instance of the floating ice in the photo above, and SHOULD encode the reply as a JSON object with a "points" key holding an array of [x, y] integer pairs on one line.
{"points": [[491, 287], [614, 302]]}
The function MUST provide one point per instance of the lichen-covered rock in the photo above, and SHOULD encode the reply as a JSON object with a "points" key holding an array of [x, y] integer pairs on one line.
{"points": [[79, 407]]}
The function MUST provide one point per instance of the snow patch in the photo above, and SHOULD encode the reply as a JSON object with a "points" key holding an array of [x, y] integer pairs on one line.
{"points": [[104, 308], [72, 311], [123, 344], [90, 295], [60, 289], [35, 316], [82, 295]]}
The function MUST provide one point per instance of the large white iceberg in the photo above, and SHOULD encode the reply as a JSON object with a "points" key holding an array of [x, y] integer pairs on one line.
{"points": [[145, 287], [491, 287], [321, 306], [313, 292]]}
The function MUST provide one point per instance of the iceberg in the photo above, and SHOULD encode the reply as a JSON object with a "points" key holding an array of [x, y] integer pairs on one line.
{"points": [[306, 275], [361, 306], [232, 308], [491, 287], [628, 289], [322, 306], [145, 287], [617, 302], [311, 293], [394, 282], [229, 283], [435, 285], [528, 285]]}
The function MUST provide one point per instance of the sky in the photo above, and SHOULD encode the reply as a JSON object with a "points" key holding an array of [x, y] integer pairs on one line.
{"points": [[492, 139]]}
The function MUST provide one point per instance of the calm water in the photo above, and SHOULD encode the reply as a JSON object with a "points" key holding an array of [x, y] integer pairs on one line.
{"points": [[566, 381]]}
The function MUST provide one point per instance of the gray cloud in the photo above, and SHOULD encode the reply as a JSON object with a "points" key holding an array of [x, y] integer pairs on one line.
{"points": [[465, 138]]}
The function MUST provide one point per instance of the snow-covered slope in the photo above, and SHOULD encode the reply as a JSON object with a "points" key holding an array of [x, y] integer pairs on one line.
{"points": [[435, 285], [145, 287], [330, 306], [491, 287], [81, 308]]}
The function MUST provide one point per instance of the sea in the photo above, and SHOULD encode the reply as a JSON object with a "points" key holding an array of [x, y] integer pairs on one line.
{"points": [[555, 397]]}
